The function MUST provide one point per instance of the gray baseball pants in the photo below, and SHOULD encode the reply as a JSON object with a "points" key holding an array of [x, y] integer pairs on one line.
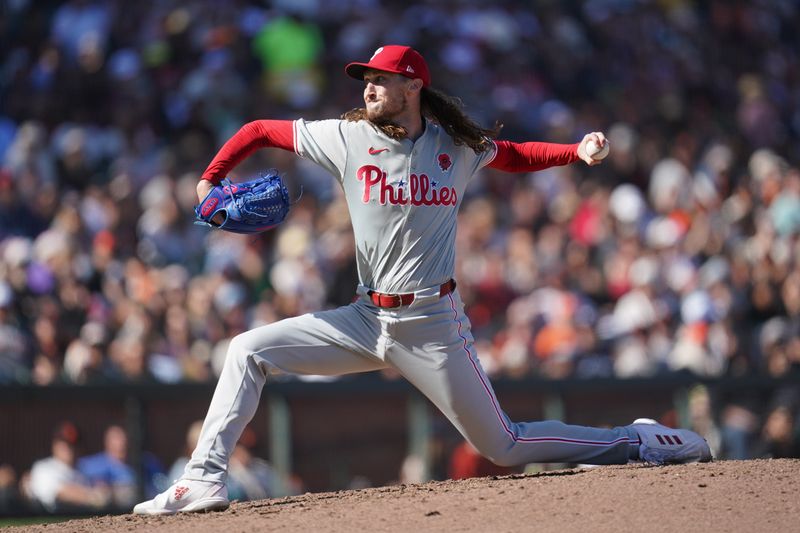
{"points": [[430, 344]]}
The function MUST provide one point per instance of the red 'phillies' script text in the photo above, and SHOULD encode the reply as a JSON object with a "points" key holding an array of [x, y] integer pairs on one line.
{"points": [[418, 190]]}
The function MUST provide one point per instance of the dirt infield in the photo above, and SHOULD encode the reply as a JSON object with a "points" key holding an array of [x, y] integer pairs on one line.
{"points": [[762, 495]]}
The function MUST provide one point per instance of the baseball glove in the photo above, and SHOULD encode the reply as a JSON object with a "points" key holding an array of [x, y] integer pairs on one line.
{"points": [[249, 207]]}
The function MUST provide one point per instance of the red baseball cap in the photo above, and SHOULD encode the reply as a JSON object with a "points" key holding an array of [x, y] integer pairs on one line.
{"points": [[402, 60], [67, 432]]}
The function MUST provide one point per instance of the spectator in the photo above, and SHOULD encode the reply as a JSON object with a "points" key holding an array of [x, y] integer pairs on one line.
{"points": [[54, 481], [739, 428], [192, 434], [110, 469], [292, 73], [779, 436], [13, 344], [250, 477], [9, 498]]}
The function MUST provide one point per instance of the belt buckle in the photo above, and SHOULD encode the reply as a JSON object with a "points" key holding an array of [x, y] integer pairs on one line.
{"points": [[381, 297], [395, 298]]}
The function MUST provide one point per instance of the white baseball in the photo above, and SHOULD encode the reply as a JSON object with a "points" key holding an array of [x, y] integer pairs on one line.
{"points": [[597, 153]]}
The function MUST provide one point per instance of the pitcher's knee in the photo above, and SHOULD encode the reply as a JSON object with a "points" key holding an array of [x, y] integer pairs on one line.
{"points": [[501, 456], [240, 350], [502, 460]]}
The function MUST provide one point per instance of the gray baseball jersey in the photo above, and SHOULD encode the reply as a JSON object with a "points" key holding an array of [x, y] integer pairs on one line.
{"points": [[403, 198]]}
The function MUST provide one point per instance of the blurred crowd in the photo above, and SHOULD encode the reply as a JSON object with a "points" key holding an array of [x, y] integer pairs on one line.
{"points": [[679, 253], [114, 478]]}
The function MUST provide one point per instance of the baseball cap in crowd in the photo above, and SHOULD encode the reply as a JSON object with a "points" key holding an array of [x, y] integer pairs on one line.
{"points": [[402, 60], [67, 432]]}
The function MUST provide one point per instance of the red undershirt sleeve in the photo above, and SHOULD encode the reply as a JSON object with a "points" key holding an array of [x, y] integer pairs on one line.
{"points": [[532, 156], [251, 137]]}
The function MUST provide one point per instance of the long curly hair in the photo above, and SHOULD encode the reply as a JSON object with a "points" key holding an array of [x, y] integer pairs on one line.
{"points": [[445, 110]]}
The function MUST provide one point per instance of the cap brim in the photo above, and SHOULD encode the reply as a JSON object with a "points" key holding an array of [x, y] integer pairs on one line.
{"points": [[356, 70]]}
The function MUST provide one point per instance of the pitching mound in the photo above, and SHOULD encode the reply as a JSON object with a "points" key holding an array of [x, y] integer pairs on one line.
{"points": [[762, 495]]}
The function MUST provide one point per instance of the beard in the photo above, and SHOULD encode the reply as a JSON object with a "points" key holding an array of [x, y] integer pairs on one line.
{"points": [[385, 113]]}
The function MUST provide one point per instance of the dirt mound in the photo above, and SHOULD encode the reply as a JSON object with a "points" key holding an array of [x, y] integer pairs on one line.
{"points": [[762, 495]]}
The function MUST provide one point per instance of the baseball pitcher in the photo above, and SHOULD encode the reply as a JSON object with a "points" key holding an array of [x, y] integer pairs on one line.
{"points": [[403, 162]]}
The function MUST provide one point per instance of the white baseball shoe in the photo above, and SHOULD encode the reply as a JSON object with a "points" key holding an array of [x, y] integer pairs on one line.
{"points": [[662, 445], [187, 496]]}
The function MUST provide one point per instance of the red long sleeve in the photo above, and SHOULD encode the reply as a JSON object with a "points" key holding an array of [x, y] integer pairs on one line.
{"points": [[531, 156], [252, 136]]}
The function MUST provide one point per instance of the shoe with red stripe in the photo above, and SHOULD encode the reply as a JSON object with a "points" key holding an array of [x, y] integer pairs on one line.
{"points": [[187, 496], [662, 445]]}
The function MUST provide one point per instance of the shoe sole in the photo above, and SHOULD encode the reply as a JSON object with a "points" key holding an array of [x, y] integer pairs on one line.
{"points": [[200, 506], [206, 504]]}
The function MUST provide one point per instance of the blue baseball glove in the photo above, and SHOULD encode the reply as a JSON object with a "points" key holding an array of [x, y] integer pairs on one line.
{"points": [[249, 207]]}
